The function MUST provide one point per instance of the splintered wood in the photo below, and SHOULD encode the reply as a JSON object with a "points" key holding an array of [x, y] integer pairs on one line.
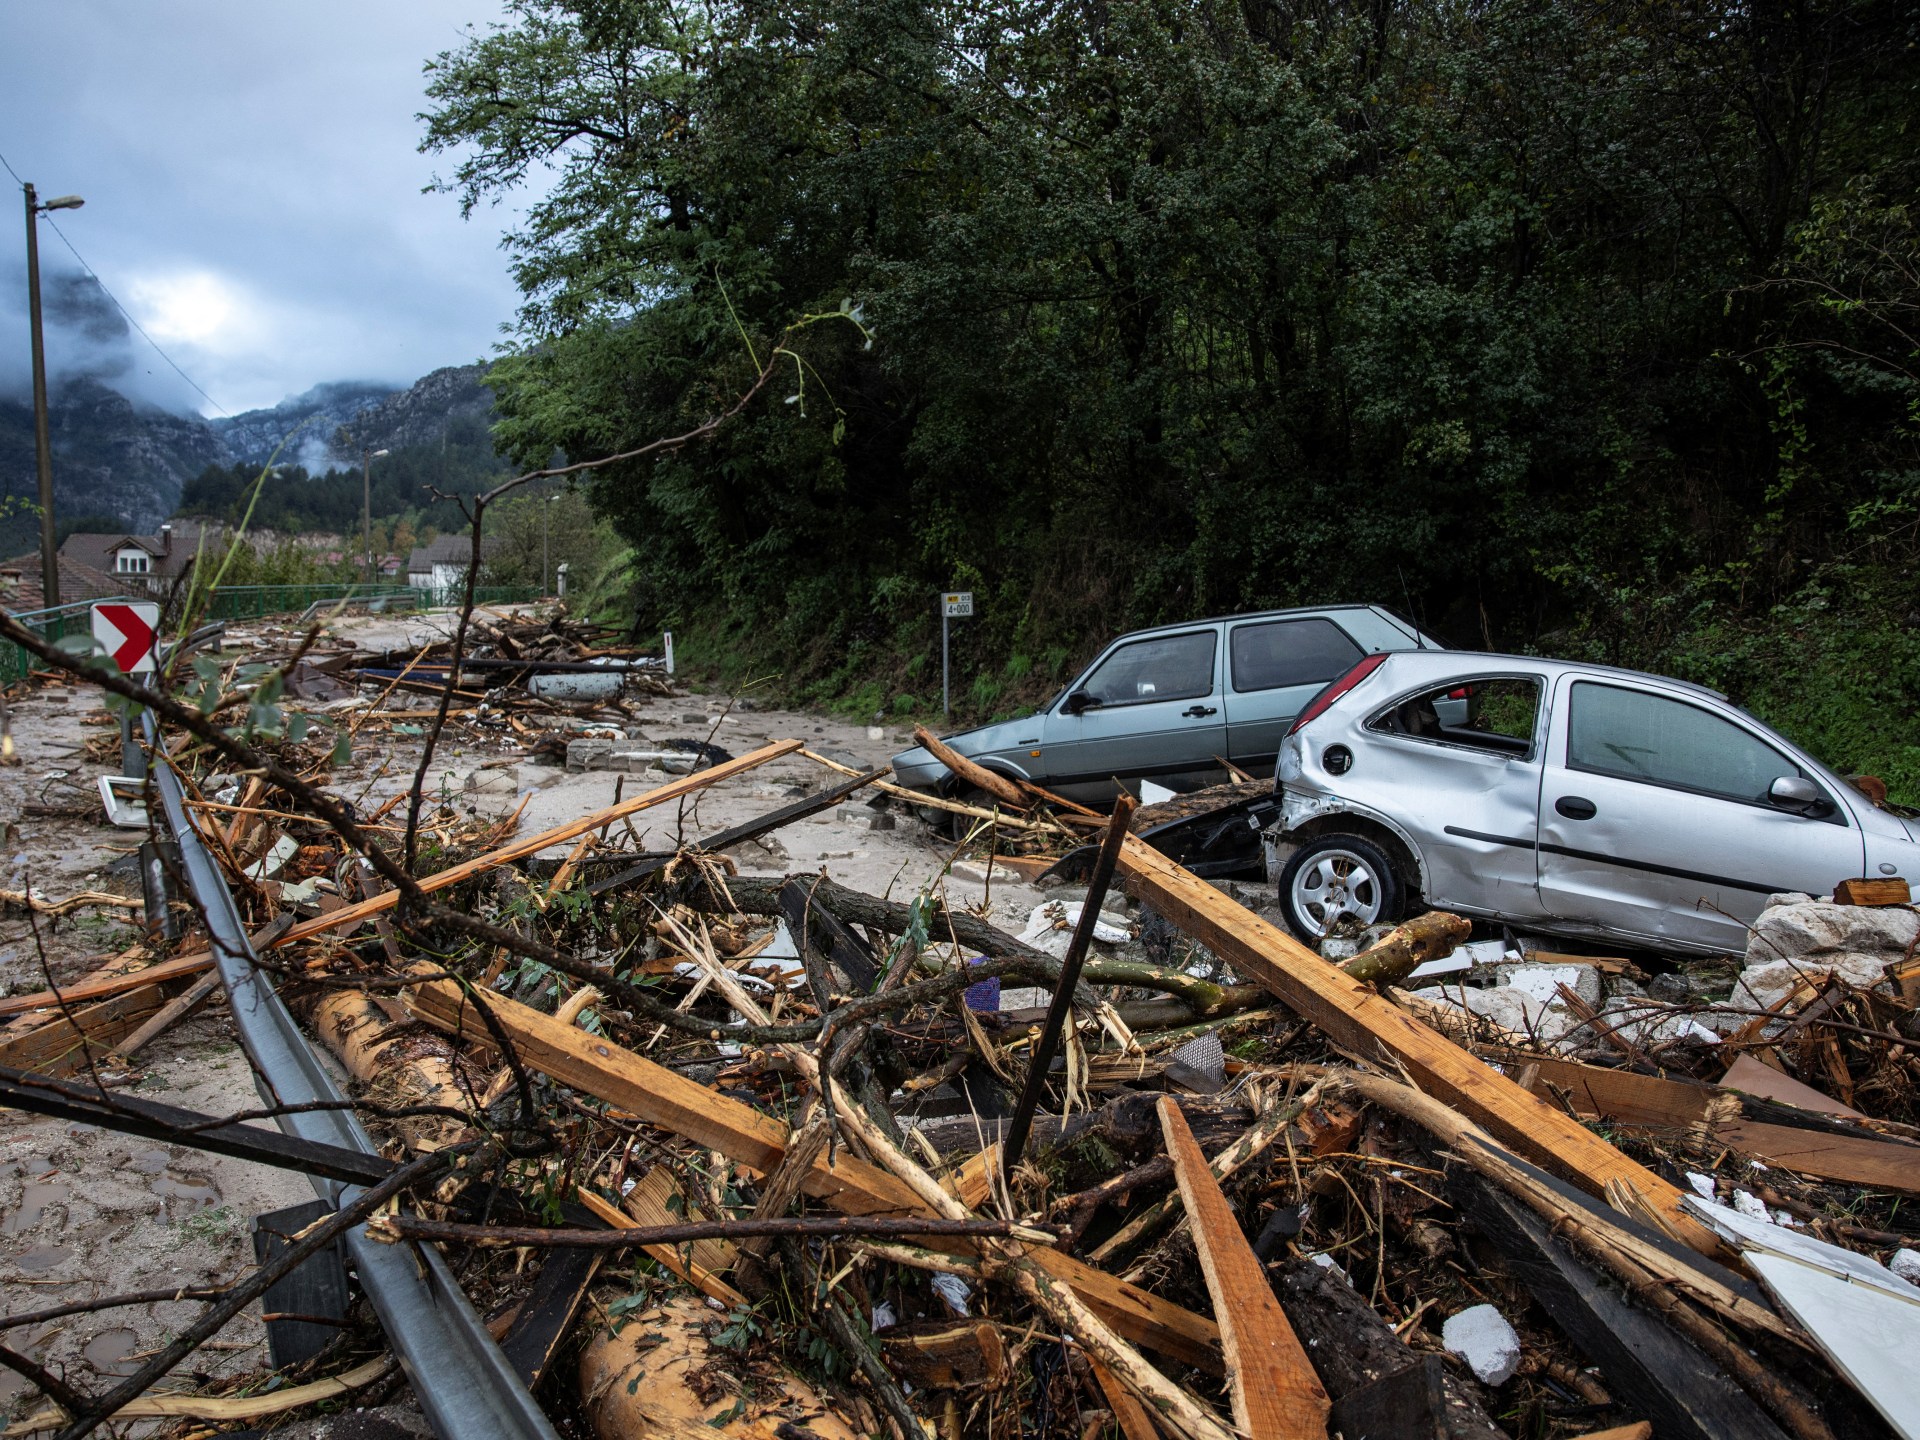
{"points": [[1357, 1017], [1276, 1394]]}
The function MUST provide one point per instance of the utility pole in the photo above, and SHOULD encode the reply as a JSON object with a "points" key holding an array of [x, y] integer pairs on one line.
{"points": [[546, 512], [42, 441], [366, 505]]}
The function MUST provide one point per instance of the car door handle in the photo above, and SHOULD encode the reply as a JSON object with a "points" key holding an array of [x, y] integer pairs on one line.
{"points": [[1194, 712], [1575, 808]]}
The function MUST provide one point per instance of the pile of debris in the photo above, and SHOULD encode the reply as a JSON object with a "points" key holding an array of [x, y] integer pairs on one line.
{"points": [[770, 1156]]}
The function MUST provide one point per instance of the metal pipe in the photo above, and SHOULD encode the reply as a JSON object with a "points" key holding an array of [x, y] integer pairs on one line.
{"points": [[459, 1375]]}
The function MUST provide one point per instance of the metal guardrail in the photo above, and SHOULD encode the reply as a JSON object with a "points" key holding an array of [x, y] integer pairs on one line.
{"points": [[462, 1380]]}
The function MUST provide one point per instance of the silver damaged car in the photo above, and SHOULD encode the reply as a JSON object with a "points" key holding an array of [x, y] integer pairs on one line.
{"points": [[1572, 799]]}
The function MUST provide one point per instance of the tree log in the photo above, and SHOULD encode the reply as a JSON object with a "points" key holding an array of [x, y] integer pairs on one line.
{"points": [[1407, 947], [978, 776]]}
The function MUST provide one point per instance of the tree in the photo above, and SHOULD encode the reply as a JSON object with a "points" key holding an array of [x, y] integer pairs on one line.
{"points": [[1468, 309]]}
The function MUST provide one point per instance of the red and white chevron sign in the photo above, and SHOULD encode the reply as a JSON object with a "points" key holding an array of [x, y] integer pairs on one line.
{"points": [[126, 632]]}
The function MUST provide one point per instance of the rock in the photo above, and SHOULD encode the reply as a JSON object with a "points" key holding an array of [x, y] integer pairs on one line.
{"points": [[1543, 982], [493, 782], [1509, 1007], [1906, 1264], [1481, 1336], [1811, 929], [882, 821], [588, 754], [1762, 986], [1647, 1022], [1050, 927]]}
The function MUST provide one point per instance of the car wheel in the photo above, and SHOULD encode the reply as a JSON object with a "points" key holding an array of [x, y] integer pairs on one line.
{"points": [[1335, 879]]}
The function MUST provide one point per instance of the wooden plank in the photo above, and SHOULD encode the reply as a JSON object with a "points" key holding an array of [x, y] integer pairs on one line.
{"points": [[89, 990], [659, 1096], [747, 830], [1852, 1159], [533, 844], [1649, 1369], [547, 1314], [1750, 1077], [55, 1048], [1276, 1393], [1873, 892], [674, 1257], [1354, 1016], [170, 1014], [1133, 1417], [1648, 1100]]}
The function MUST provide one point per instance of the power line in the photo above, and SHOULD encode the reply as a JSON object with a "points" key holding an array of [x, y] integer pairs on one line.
{"points": [[93, 275]]}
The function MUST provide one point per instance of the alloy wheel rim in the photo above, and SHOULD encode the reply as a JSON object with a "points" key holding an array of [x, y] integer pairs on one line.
{"points": [[1333, 886]]}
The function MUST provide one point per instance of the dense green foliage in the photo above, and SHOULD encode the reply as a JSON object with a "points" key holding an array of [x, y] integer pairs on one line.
{"points": [[403, 482], [1584, 325]]}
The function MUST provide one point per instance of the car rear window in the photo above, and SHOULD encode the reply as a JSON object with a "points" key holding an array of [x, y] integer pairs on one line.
{"points": [[1637, 736], [1499, 713], [1283, 653]]}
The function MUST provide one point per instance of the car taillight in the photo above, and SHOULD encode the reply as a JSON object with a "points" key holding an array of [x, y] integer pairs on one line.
{"points": [[1318, 705]]}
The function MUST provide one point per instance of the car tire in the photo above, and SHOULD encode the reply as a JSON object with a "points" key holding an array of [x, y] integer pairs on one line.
{"points": [[1335, 877]]}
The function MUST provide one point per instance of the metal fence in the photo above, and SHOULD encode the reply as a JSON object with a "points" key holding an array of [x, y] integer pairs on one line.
{"points": [[53, 624], [251, 602]]}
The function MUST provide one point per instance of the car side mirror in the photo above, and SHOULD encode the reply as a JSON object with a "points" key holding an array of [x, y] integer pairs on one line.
{"points": [[1798, 794], [1078, 701]]}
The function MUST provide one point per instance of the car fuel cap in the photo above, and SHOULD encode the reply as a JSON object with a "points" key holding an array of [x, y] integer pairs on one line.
{"points": [[1337, 759]]}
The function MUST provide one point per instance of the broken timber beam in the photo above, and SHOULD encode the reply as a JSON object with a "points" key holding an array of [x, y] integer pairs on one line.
{"points": [[658, 1096], [978, 776], [533, 844], [1276, 1394], [1354, 1016], [747, 830]]}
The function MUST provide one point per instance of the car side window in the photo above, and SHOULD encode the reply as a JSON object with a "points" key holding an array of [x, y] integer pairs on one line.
{"points": [[1172, 667], [1498, 713], [1283, 653], [1637, 736]]}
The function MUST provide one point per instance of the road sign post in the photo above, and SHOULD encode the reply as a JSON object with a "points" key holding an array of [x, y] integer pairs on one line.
{"points": [[127, 632], [952, 603]]}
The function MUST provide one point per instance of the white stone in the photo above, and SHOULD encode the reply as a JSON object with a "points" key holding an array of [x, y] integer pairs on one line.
{"points": [[1648, 1022], [1813, 928], [1543, 982], [1050, 928], [1764, 985], [1481, 1336], [1906, 1264], [1510, 1008]]}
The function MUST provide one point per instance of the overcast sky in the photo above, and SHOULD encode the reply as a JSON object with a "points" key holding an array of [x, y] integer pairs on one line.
{"points": [[253, 190]]}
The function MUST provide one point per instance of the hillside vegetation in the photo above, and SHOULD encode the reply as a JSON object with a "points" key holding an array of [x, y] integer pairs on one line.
{"points": [[1587, 327]]}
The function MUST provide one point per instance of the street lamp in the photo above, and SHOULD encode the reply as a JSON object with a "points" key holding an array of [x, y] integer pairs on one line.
{"points": [[367, 457], [545, 551], [42, 444]]}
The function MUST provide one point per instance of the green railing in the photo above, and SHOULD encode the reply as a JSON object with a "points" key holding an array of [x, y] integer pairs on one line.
{"points": [[251, 602], [52, 624]]}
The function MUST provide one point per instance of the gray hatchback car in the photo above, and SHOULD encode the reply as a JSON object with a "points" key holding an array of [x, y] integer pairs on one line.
{"points": [[1566, 798], [1169, 704]]}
